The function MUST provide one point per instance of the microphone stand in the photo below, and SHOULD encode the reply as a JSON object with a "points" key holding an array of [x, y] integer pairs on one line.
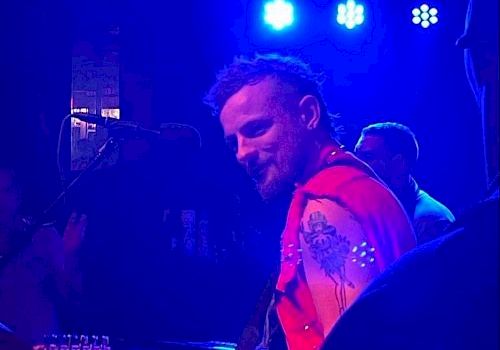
{"points": [[106, 149], [24, 240]]}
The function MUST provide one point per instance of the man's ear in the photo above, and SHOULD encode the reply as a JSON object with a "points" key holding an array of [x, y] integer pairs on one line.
{"points": [[310, 111]]}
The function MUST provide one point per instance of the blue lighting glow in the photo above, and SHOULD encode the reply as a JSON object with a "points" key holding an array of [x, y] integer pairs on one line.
{"points": [[424, 15], [350, 14], [278, 14]]}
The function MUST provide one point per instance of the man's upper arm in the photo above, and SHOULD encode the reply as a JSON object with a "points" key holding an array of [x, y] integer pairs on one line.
{"points": [[338, 259]]}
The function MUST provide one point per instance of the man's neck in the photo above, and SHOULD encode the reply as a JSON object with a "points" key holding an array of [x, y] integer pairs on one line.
{"points": [[317, 159], [404, 187]]}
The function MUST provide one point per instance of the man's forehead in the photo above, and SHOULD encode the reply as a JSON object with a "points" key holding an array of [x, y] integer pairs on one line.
{"points": [[240, 97], [249, 98]]}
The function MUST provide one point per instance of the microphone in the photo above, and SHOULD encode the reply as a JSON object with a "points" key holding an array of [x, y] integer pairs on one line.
{"points": [[118, 127], [170, 132]]}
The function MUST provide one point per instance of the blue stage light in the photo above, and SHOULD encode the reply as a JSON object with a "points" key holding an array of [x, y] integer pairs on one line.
{"points": [[350, 14], [424, 15], [278, 14]]}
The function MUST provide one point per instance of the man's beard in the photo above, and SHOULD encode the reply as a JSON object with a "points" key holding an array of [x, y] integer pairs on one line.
{"points": [[269, 191], [278, 187]]}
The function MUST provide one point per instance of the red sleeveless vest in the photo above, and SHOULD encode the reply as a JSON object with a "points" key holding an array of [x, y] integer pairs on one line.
{"points": [[346, 180]]}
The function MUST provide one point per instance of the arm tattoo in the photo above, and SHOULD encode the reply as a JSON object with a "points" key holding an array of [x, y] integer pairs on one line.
{"points": [[331, 251]]}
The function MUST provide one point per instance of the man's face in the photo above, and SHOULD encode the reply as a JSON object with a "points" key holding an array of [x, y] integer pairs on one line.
{"points": [[372, 150], [262, 125], [9, 197]]}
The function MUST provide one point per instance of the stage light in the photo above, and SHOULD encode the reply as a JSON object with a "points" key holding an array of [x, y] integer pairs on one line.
{"points": [[424, 7], [350, 14], [278, 14], [424, 15]]}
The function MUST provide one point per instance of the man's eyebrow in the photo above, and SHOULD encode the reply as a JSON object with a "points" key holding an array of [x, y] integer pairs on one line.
{"points": [[256, 120]]}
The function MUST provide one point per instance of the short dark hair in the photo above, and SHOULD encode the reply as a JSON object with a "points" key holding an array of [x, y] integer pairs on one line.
{"points": [[248, 71], [398, 138]]}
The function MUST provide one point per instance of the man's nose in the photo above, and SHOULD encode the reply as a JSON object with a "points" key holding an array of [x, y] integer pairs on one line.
{"points": [[246, 152]]}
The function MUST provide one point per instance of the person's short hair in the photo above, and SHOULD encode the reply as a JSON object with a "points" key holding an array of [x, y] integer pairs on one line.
{"points": [[398, 138], [249, 71]]}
